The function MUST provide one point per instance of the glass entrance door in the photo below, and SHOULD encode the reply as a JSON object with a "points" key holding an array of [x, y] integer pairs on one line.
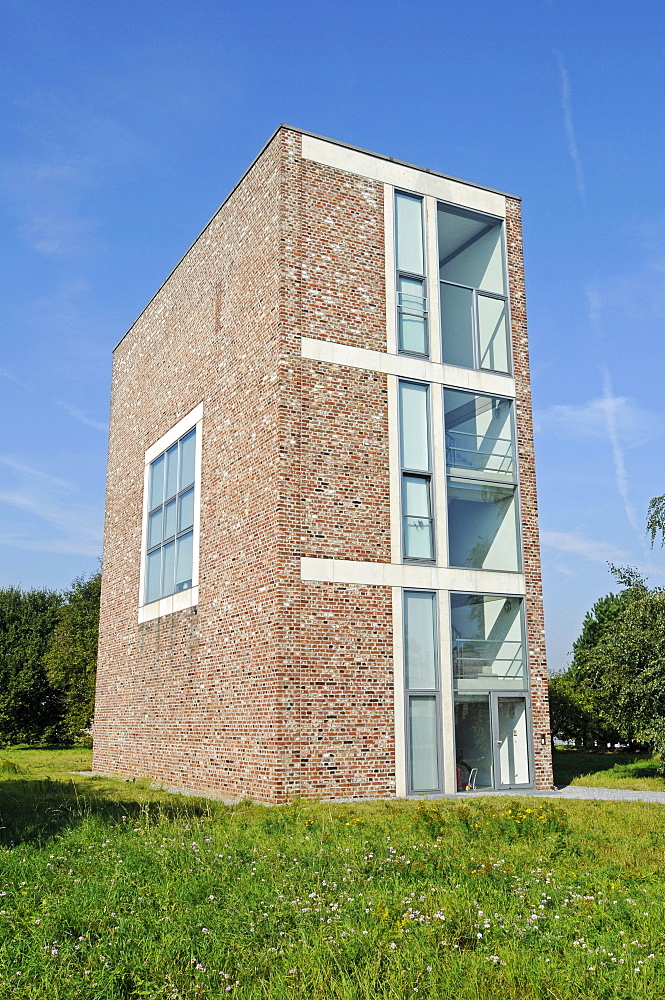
{"points": [[491, 741], [512, 742]]}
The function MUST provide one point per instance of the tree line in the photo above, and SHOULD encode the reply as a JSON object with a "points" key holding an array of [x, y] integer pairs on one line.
{"points": [[614, 689], [48, 662]]}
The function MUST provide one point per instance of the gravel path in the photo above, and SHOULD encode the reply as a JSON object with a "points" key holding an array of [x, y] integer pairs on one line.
{"points": [[580, 792]]}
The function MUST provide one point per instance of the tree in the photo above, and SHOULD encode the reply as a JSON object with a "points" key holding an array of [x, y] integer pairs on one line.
{"points": [[29, 707], [71, 656], [616, 683], [656, 519]]}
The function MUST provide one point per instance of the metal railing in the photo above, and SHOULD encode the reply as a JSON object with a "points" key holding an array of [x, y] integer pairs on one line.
{"points": [[494, 455], [500, 658]]}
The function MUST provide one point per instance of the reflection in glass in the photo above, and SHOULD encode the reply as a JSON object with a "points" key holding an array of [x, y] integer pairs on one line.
{"points": [[471, 249], [473, 742], [417, 518], [409, 230], [414, 426], [419, 640], [482, 525], [412, 316], [479, 436], [487, 634], [187, 459], [423, 744], [493, 334], [183, 568], [457, 325], [512, 741]]}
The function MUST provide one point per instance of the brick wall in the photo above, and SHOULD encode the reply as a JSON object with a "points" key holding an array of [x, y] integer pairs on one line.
{"points": [[528, 499]]}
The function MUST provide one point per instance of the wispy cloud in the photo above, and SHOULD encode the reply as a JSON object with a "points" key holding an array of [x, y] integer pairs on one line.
{"points": [[82, 417], [633, 424], [41, 512], [10, 377], [567, 108], [620, 473], [588, 548]]}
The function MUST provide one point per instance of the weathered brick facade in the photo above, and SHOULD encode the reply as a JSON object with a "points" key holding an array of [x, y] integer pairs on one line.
{"points": [[276, 682]]}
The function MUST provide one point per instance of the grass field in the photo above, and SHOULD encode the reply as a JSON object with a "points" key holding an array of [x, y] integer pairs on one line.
{"points": [[114, 890]]}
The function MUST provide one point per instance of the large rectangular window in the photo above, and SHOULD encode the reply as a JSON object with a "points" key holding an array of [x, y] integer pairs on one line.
{"points": [[483, 529], [472, 289], [422, 686], [415, 457], [487, 635], [171, 520], [412, 333]]}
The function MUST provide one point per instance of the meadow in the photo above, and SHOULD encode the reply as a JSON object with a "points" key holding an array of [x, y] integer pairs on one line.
{"points": [[114, 890]]}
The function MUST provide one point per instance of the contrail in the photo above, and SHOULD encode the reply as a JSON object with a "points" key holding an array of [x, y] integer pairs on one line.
{"points": [[567, 108]]}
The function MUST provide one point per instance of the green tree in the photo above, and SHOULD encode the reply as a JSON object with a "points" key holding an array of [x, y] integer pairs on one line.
{"points": [[656, 519], [615, 687], [29, 706], [71, 656]]}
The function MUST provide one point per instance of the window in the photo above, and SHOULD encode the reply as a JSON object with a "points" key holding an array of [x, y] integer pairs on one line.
{"points": [[483, 530], [487, 634], [411, 283], [421, 681], [417, 516], [472, 290], [170, 549]]}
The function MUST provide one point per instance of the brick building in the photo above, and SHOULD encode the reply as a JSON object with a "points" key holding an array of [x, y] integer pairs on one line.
{"points": [[321, 565]]}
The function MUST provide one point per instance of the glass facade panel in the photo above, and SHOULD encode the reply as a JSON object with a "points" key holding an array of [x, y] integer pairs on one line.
{"points": [[424, 743], [412, 312], [409, 229], [186, 510], [169, 519], [157, 482], [480, 441], [473, 742], [420, 661], [155, 528], [473, 293], [414, 426], [187, 459], [487, 635], [457, 325], [171, 482], [168, 568], [184, 554], [471, 249], [482, 526], [418, 527], [493, 334], [512, 741], [153, 568]]}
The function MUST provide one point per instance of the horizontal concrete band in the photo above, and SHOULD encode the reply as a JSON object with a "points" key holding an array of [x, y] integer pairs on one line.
{"points": [[400, 175], [471, 581], [405, 367]]}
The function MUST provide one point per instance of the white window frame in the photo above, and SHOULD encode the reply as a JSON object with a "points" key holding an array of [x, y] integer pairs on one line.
{"points": [[185, 598]]}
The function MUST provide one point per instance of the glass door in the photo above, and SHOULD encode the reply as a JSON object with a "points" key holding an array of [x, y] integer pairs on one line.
{"points": [[492, 741], [511, 747]]}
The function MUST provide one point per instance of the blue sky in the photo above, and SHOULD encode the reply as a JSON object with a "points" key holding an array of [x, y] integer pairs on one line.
{"points": [[125, 124]]}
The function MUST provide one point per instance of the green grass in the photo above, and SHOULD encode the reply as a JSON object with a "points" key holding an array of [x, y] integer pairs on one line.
{"points": [[112, 890], [608, 769]]}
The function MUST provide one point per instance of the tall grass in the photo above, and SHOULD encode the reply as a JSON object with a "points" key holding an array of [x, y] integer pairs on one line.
{"points": [[115, 891]]}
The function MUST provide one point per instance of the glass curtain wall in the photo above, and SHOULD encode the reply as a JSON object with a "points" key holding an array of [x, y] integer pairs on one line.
{"points": [[410, 258], [481, 465], [472, 290], [415, 451], [423, 695]]}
